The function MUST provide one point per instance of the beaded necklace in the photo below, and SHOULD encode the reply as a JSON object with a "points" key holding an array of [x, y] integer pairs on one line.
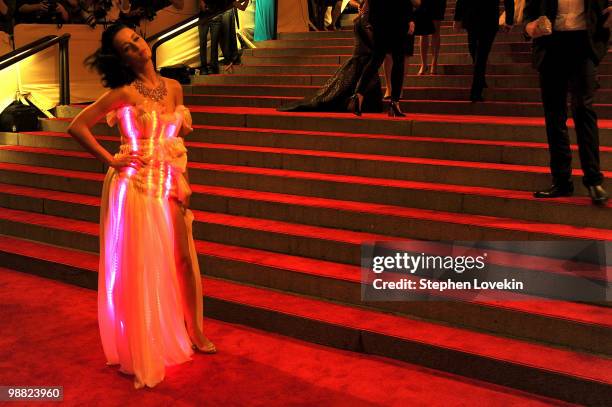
{"points": [[157, 94]]}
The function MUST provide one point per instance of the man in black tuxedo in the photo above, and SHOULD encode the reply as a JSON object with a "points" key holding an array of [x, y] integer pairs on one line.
{"points": [[566, 56], [481, 20]]}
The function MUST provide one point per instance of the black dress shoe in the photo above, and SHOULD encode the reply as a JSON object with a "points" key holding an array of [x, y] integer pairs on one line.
{"points": [[213, 69], [555, 191], [598, 195]]}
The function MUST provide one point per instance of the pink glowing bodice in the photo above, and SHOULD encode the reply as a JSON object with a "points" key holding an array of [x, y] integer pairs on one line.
{"points": [[147, 130]]}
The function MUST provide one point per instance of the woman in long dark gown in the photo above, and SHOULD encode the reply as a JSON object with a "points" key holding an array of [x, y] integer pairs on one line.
{"points": [[392, 21], [335, 94]]}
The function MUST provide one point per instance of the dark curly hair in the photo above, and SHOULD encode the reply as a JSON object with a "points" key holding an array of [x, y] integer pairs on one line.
{"points": [[107, 61]]}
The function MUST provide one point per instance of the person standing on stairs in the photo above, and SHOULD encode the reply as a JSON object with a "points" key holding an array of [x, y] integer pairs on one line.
{"points": [[336, 92], [570, 38], [519, 6], [481, 20], [229, 40], [433, 10], [150, 305], [265, 20], [408, 52], [214, 26], [321, 7], [391, 21]]}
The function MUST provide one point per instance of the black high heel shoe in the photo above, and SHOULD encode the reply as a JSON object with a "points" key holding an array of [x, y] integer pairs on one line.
{"points": [[356, 107], [394, 110]]}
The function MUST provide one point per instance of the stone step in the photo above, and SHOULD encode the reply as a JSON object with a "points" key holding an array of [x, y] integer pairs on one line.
{"points": [[468, 173], [414, 93], [485, 151], [477, 127], [427, 195], [347, 49], [447, 58], [544, 278], [336, 38], [409, 106], [508, 82], [462, 68]]}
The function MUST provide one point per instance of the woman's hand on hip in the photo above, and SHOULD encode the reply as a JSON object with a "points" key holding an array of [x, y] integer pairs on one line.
{"points": [[136, 161], [411, 28]]}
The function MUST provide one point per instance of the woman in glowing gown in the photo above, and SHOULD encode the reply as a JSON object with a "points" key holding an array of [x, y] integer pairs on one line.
{"points": [[149, 285]]}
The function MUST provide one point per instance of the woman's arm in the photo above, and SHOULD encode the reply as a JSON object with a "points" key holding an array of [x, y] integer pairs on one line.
{"points": [[185, 129], [177, 89], [3, 8], [81, 125], [32, 8], [59, 8]]}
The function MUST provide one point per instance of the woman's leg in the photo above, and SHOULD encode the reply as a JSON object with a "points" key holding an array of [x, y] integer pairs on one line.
{"points": [[190, 285], [424, 49], [215, 32], [397, 73], [435, 48], [368, 73], [387, 66], [203, 34], [335, 15]]}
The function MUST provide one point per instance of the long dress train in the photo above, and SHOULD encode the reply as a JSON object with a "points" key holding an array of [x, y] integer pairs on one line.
{"points": [[140, 311], [334, 95]]}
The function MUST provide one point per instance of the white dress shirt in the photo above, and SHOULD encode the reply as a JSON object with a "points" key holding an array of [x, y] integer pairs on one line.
{"points": [[570, 16]]}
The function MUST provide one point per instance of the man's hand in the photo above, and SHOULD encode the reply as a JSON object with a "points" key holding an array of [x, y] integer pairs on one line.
{"points": [[457, 26], [61, 10], [506, 28], [411, 28], [608, 13], [241, 4], [534, 31]]}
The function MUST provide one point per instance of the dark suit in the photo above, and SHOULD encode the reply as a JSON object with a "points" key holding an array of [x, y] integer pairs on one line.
{"points": [[481, 20], [390, 20], [566, 61], [598, 35]]}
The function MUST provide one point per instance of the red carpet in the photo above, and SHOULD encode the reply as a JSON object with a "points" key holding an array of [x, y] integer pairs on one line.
{"points": [[47, 340]]}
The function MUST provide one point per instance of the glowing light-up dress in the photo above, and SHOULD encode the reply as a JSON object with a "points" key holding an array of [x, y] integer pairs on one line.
{"points": [[140, 310]]}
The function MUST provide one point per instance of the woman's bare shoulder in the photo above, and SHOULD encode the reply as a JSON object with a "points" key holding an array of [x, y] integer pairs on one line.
{"points": [[172, 83], [115, 94]]}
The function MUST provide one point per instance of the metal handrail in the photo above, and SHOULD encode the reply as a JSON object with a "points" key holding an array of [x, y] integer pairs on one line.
{"points": [[35, 47], [181, 27]]}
